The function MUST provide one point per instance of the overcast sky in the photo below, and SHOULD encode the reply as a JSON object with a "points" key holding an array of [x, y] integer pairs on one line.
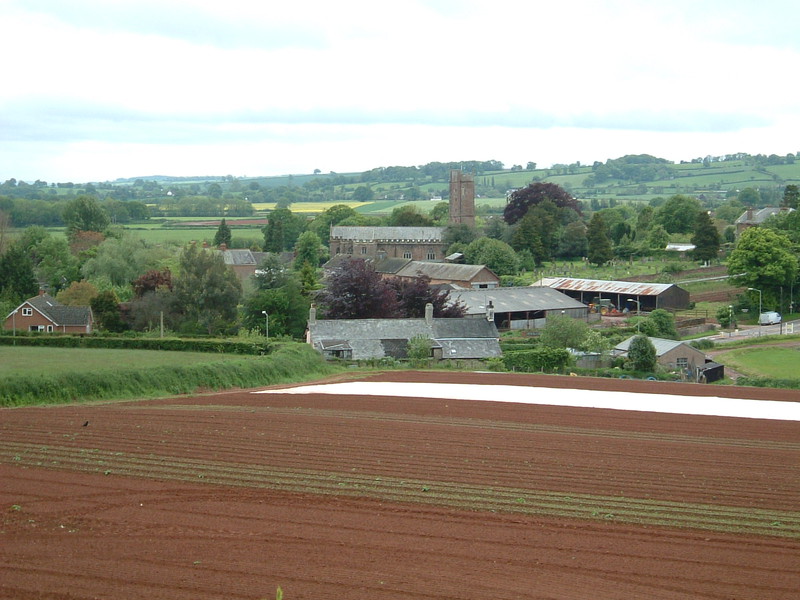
{"points": [[94, 90]]}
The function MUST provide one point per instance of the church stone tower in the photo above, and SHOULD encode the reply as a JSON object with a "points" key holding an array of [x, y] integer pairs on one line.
{"points": [[462, 198]]}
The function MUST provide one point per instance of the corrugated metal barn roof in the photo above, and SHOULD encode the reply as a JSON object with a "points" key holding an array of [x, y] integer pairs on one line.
{"points": [[633, 288]]}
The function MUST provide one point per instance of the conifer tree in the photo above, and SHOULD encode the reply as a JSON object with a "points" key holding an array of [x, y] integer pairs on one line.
{"points": [[600, 250]]}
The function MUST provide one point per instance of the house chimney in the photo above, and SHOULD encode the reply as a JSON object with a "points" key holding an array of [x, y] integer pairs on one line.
{"points": [[312, 314], [490, 311], [429, 313]]}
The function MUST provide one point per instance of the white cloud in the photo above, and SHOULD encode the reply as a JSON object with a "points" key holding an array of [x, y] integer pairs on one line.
{"points": [[412, 82]]}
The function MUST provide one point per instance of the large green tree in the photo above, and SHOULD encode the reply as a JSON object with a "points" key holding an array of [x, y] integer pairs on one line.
{"points": [[497, 255], [17, 279], [678, 214], [763, 259], [121, 260], [308, 249], [84, 213], [206, 293], [282, 230]]}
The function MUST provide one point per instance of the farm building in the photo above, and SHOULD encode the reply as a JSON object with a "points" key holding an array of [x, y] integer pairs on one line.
{"points": [[45, 313], [520, 307], [672, 354], [630, 295], [463, 276], [361, 339]]}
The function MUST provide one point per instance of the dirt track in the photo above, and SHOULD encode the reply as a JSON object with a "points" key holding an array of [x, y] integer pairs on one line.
{"points": [[230, 495]]}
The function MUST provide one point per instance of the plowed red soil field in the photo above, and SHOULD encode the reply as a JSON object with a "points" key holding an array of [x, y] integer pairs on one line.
{"points": [[230, 495]]}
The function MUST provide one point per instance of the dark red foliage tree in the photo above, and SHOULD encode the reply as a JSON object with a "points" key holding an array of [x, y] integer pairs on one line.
{"points": [[354, 290], [523, 199], [414, 294], [151, 281]]}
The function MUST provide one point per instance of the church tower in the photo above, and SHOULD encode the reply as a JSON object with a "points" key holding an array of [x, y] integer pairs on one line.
{"points": [[462, 198]]}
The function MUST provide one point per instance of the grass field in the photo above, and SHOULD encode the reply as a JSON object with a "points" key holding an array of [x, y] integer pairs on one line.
{"points": [[25, 360], [777, 362]]}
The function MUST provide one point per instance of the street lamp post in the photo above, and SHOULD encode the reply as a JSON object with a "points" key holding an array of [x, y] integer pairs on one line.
{"points": [[759, 308], [638, 314], [266, 323]]}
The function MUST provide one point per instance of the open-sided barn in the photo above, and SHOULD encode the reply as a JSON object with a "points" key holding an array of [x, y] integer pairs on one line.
{"points": [[520, 307], [633, 295]]}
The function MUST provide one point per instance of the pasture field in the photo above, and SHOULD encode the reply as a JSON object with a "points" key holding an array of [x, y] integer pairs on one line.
{"points": [[37, 361], [231, 495], [778, 362]]}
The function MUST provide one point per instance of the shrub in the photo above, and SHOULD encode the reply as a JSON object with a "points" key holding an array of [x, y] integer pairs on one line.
{"points": [[642, 354], [542, 358]]}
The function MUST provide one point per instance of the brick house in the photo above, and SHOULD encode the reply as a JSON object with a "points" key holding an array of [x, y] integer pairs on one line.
{"points": [[45, 313]]}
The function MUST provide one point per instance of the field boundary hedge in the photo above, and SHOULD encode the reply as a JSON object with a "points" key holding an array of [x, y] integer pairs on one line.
{"points": [[289, 362], [133, 343]]}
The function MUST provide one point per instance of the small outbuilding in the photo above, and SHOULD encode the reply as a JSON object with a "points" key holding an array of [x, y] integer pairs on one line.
{"points": [[672, 354]]}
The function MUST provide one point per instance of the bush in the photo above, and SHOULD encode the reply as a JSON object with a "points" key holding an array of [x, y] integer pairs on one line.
{"points": [[542, 358], [642, 354]]}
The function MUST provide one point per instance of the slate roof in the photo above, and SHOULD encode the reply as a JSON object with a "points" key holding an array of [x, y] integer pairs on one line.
{"points": [[445, 271], [400, 234], [661, 345], [515, 299], [61, 314], [376, 338], [242, 257], [757, 217]]}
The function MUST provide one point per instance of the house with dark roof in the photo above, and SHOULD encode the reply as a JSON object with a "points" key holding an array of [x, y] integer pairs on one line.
{"points": [[242, 261], [45, 313], [755, 217], [361, 339], [519, 307]]}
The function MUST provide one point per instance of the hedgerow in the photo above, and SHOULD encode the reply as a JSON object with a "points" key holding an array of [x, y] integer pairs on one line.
{"points": [[289, 362]]}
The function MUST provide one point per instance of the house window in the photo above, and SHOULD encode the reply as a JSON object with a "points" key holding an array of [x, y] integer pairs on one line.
{"points": [[49, 329], [363, 249], [431, 255], [682, 363], [406, 254], [27, 312]]}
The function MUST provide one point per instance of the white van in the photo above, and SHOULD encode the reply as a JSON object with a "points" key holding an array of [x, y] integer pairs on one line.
{"points": [[769, 318]]}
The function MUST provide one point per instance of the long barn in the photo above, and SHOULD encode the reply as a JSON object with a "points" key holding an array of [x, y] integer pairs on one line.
{"points": [[633, 295]]}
